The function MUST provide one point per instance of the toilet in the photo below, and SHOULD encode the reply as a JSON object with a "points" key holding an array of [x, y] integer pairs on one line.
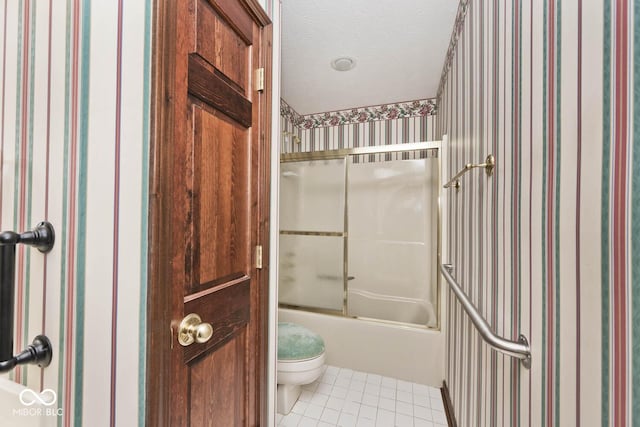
{"points": [[301, 358]]}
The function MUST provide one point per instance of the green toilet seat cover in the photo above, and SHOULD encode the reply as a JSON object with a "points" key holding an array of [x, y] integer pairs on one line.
{"points": [[296, 342]]}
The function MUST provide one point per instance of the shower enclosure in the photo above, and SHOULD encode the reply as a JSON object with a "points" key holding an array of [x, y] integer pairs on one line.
{"points": [[359, 233]]}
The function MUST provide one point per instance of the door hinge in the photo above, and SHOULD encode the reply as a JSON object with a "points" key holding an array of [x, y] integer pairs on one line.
{"points": [[259, 256], [260, 79]]}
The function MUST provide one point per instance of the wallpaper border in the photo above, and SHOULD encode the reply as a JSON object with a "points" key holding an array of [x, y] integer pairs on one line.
{"points": [[391, 111]]}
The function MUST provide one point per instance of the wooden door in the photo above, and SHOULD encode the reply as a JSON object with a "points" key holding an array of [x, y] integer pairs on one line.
{"points": [[209, 214]]}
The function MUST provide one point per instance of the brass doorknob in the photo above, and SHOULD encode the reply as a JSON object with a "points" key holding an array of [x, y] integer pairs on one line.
{"points": [[193, 329]]}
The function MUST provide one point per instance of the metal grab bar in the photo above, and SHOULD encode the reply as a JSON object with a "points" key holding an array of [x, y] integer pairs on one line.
{"points": [[519, 349], [488, 165], [40, 351]]}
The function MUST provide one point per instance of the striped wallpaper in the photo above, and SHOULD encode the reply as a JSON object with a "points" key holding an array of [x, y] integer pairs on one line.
{"points": [[548, 246], [74, 151], [404, 122]]}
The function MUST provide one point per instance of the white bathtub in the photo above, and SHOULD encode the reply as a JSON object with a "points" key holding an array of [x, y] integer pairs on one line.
{"points": [[14, 413], [403, 352], [363, 303]]}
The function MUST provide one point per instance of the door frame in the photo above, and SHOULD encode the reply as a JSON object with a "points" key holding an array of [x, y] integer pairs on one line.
{"points": [[159, 340]]}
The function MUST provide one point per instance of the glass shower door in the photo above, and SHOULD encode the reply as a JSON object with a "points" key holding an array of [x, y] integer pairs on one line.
{"points": [[312, 234], [393, 207]]}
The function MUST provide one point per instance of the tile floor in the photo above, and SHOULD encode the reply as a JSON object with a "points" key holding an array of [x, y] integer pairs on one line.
{"points": [[347, 398]]}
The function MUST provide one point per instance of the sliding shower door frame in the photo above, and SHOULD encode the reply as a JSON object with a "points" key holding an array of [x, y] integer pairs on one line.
{"points": [[346, 154]]}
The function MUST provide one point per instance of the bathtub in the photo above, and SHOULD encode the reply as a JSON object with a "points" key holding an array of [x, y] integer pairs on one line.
{"points": [[37, 413], [394, 350], [363, 303]]}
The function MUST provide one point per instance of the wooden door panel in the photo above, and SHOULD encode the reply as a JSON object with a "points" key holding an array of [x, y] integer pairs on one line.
{"points": [[222, 211], [216, 383], [226, 308], [210, 210], [237, 16], [226, 51], [212, 89]]}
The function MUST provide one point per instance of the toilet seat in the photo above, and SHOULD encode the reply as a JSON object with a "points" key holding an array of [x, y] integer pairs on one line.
{"points": [[301, 357], [295, 342], [299, 372], [301, 364]]}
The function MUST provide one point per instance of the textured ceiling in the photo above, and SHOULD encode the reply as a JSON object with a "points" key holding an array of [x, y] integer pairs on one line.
{"points": [[399, 47]]}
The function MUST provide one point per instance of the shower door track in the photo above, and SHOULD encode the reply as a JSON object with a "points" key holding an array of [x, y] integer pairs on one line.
{"points": [[345, 153], [314, 233]]}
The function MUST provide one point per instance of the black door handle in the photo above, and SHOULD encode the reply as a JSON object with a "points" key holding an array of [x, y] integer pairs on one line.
{"points": [[41, 237]]}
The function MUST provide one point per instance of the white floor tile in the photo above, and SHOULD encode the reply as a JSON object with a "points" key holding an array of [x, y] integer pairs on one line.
{"points": [[422, 401], [305, 396], [369, 399], [405, 396], [359, 376], [345, 373], [319, 399], [364, 422], [347, 398], [328, 379], [436, 403], [353, 396], [422, 412], [342, 382], [372, 389], [300, 407], [389, 393], [347, 420], [314, 411], [374, 379], [389, 382], [368, 412], [351, 408], [291, 420], [387, 404], [404, 420], [385, 418], [335, 403], [330, 416], [357, 385], [324, 389], [418, 422], [307, 422], [339, 392], [404, 408], [435, 392], [439, 417]]}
